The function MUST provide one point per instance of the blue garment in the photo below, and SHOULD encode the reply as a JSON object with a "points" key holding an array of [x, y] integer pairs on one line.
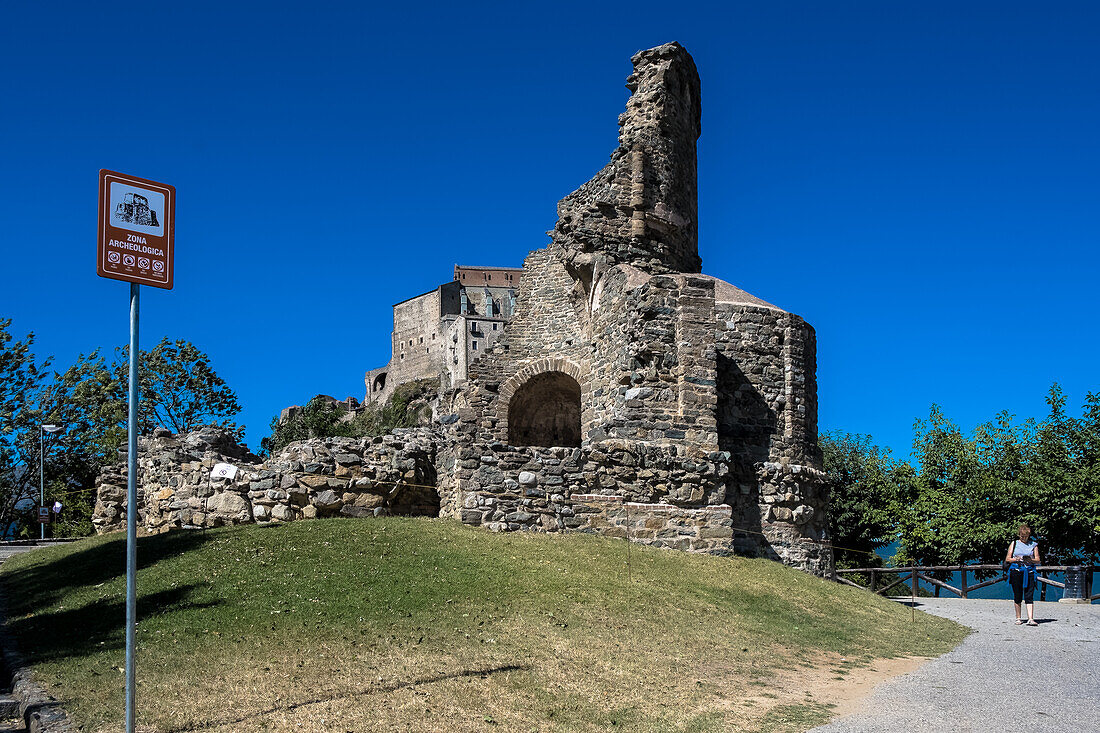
{"points": [[1027, 572]]}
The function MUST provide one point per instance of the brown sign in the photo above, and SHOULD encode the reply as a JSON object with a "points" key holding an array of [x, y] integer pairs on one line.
{"points": [[43, 515], [137, 221]]}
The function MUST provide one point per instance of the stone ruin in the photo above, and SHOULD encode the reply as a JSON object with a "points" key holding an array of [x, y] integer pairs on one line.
{"points": [[392, 474], [630, 395], [134, 209]]}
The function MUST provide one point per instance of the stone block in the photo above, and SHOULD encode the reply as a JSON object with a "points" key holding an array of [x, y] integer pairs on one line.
{"points": [[229, 506], [327, 499], [282, 513], [369, 501]]}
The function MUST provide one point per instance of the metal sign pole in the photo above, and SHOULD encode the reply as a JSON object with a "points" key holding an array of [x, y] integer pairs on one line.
{"points": [[41, 477], [132, 511], [135, 243]]}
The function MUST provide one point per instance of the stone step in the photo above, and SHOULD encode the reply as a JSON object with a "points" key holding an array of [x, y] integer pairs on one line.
{"points": [[9, 706]]}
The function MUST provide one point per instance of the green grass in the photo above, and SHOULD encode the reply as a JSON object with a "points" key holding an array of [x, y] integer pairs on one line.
{"points": [[794, 717], [402, 624]]}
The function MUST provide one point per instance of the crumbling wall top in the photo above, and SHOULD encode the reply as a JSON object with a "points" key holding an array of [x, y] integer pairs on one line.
{"points": [[664, 100], [641, 209]]}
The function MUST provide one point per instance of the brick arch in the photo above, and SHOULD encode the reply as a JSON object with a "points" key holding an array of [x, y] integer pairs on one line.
{"points": [[524, 375]]}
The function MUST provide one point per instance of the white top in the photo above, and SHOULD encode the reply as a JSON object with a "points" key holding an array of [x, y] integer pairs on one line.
{"points": [[1023, 549]]}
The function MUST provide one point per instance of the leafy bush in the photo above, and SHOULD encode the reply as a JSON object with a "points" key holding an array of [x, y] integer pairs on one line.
{"points": [[322, 419]]}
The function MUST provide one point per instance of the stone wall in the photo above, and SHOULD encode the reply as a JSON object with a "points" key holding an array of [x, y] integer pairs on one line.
{"points": [[668, 496], [767, 421], [705, 529], [655, 368], [393, 474]]}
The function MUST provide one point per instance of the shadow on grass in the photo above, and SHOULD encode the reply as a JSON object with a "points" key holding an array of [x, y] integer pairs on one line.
{"points": [[80, 632], [45, 583], [384, 689]]}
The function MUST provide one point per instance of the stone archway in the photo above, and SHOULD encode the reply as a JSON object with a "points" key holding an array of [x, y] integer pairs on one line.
{"points": [[546, 411]]}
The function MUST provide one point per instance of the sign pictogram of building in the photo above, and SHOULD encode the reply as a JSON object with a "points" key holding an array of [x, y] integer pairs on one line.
{"points": [[136, 237]]}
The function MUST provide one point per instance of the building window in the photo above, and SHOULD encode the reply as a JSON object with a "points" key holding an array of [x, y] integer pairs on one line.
{"points": [[475, 345], [402, 357], [421, 339], [495, 326]]}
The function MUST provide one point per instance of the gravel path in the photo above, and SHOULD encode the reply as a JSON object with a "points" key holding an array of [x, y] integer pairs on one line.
{"points": [[1001, 678]]}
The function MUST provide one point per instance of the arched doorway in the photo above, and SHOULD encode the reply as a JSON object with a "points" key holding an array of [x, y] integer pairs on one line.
{"points": [[546, 411]]}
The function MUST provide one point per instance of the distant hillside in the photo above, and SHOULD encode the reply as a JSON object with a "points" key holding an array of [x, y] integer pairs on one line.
{"points": [[426, 625]]}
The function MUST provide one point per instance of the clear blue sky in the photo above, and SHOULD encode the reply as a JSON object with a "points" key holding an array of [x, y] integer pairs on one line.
{"points": [[918, 180]]}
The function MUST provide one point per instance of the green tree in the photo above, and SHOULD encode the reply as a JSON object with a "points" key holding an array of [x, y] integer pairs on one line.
{"points": [[966, 495], [179, 391], [21, 415], [961, 496], [863, 501], [1056, 491], [954, 497]]}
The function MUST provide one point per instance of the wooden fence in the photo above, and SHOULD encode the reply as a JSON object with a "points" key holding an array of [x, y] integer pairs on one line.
{"points": [[915, 574]]}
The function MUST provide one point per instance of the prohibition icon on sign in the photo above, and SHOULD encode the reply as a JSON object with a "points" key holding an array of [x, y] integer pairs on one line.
{"points": [[128, 260], [158, 266], [113, 257], [143, 262]]}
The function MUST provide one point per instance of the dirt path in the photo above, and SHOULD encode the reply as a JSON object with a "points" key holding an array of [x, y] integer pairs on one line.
{"points": [[1002, 677]]}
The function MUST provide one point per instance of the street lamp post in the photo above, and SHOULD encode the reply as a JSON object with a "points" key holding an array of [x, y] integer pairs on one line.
{"points": [[42, 467]]}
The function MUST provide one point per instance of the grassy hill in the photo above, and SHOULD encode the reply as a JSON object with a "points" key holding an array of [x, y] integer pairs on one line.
{"points": [[426, 625]]}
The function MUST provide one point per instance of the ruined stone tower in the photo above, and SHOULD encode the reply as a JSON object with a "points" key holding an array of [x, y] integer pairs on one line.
{"points": [[627, 394], [631, 394]]}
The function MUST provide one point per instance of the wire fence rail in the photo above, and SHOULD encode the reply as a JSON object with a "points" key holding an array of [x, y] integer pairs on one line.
{"points": [[914, 574]]}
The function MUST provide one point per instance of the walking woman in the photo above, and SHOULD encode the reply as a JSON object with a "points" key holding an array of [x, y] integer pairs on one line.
{"points": [[1023, 556]]}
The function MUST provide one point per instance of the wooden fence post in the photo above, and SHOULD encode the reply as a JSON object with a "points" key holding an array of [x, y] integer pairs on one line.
{"points": [[962, 580], [874, 580]]}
